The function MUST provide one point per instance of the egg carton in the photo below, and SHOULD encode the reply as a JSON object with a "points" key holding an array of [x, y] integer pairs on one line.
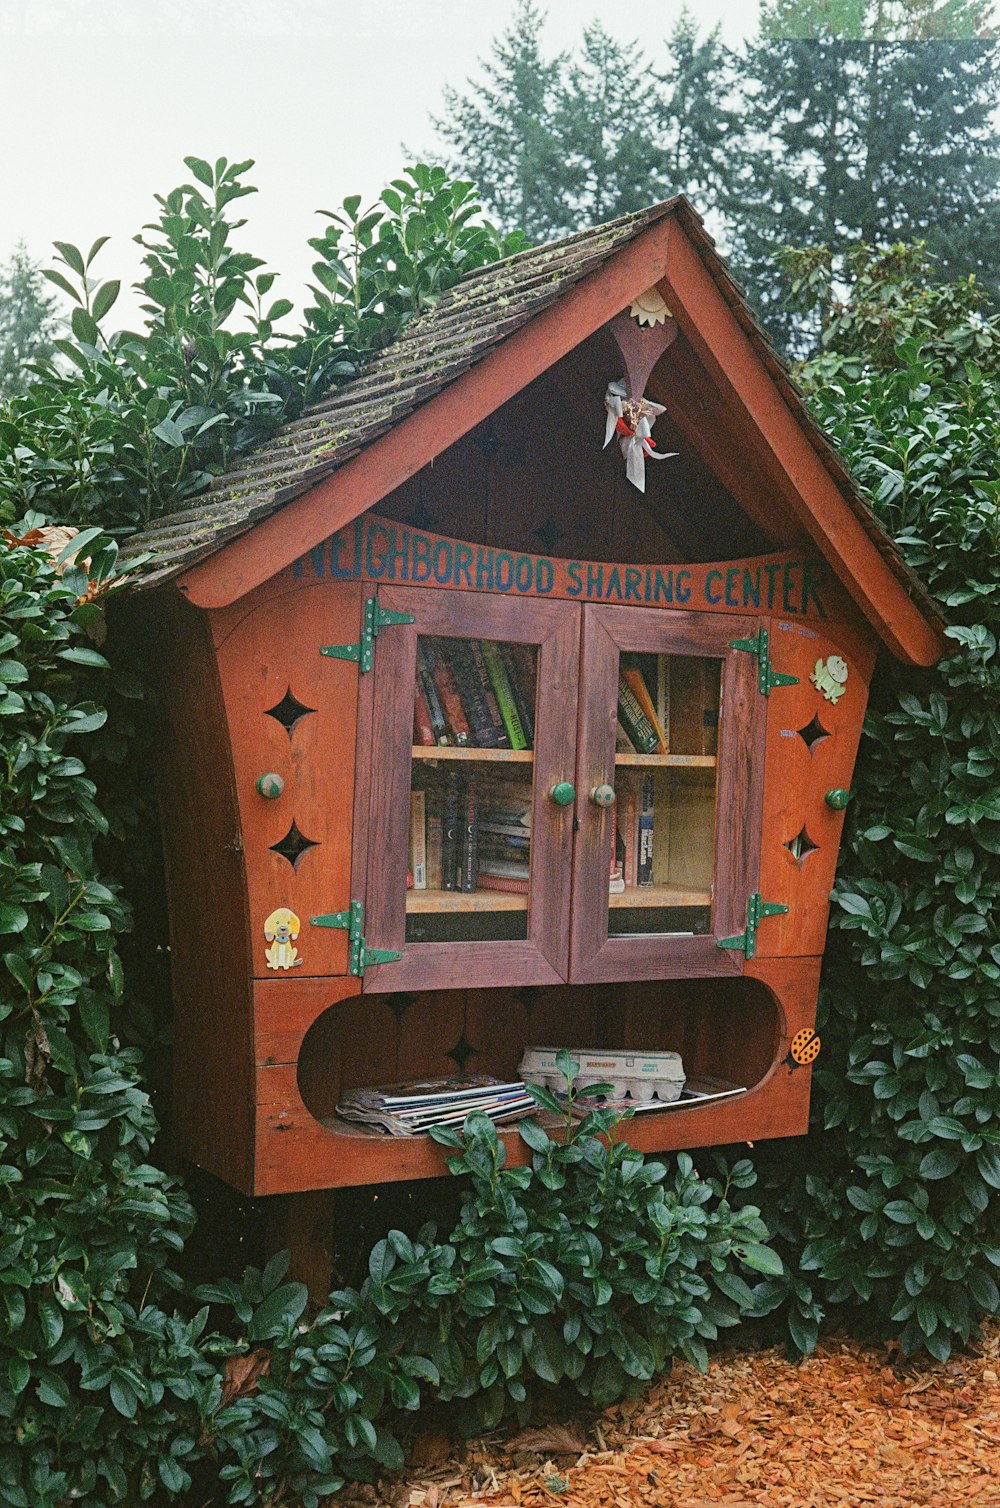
{"points": [[642, 1076]]}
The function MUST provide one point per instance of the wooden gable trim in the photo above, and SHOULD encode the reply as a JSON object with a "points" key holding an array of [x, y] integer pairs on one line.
{"points": [[806, 487], [368, 477], [665, 253]]}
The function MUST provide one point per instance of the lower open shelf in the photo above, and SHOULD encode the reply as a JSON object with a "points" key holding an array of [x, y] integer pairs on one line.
{"points": [[726, 1028]]}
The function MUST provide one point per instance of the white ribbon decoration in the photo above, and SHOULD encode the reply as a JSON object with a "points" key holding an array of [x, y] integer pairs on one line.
{"points": [[637, 446]]}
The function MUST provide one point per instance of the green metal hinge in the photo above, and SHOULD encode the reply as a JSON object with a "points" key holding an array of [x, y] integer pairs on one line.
{"points": [[376, 617], [756, 911], [359, 955], [766, 676]]}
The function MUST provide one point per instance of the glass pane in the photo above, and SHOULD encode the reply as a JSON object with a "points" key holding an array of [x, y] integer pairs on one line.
{"points": [[662, 868], [471, 791]]}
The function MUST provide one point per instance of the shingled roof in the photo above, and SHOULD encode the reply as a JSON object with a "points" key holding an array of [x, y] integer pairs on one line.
{"points": [[483, 309]]}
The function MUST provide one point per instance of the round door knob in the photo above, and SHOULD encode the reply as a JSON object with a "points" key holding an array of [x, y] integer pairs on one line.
{"points": [[603, 795], [563, 794], [837, 799], [270, 786]]}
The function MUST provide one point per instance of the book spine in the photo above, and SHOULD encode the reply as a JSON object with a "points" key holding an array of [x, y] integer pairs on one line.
{"points": [[466, 677], [418, 839], [616, 879], [434, 850], [423, 733], [434, 709], [631, 835], [644, 867], [663, 697], [451, 701], [524, 699], [449, 834], [639, 689], [504, 694], [507, 884], [489, 695], [634, 720], [509, 869], [468, 859]]}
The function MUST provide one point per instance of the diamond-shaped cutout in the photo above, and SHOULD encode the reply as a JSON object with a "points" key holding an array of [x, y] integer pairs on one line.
{"points": [[801, 846], [400, 1003], [293, 845], [462, 1052], [548, 536], [813, 733], [288, 711]]}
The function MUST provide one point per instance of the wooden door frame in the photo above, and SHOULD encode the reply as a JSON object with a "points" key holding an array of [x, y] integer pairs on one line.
{"points": [[607, 630], [383, 807]]}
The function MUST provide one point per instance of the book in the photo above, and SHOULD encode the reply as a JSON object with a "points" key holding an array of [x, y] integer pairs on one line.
{"points": [[663, 696], [450, 833], [635, 722], [509, 884], [489, 695], [468, 857], [634, 680], [433, 846], [508, 869], [524, 699], [418, 839], [434, 709], [451, 701], [647, 818], [423, 733], [623, 744], [631, 833], [616, 878], [470, 689], [504, 694]]}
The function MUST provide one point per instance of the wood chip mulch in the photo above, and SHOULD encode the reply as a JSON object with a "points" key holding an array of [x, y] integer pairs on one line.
{"points": [[852, 1425]]}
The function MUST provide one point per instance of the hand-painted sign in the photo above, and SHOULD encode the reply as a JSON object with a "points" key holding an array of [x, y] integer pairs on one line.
{"points": [[376, 549]]}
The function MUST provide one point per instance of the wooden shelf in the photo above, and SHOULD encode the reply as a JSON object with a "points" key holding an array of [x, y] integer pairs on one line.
{"points": [[443, 901], [668, 761], [451, 751], [659, 895]]}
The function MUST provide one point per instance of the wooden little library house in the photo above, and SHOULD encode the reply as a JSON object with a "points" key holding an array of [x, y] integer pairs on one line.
{"points": [[514, 696]]}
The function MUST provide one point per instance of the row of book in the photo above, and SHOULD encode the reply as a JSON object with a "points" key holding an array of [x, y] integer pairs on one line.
{"points": [[644, 723], [470, 831], [408, 1109], [635, 833], [474, 692]]}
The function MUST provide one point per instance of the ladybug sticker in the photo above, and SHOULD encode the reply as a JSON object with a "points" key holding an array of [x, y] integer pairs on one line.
{"points": [[804, 1049]]}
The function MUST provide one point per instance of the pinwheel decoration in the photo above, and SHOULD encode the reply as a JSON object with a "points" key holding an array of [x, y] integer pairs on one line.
{"points": [[631, 420]]}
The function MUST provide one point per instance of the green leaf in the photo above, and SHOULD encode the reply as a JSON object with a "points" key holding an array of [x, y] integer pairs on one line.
{"points": [[71, 256], [940, 1163], [84, 328], [105, 297], [760, 1258], [278, 1312], [13, 918]]}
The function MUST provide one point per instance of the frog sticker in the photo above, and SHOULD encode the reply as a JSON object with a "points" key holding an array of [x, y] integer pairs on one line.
{"points": [[830, 677]]}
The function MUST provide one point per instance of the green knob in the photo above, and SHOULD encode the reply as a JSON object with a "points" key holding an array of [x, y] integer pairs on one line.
{"points": [[603, 795], [269, 786], [563, 794], [837, 799]]}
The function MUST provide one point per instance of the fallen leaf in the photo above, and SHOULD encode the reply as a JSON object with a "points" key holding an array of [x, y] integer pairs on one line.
{"points": [[243, 1373], [550, 1439]]}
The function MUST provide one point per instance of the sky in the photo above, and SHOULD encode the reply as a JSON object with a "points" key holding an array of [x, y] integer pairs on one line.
{"points": [[103, 99]]}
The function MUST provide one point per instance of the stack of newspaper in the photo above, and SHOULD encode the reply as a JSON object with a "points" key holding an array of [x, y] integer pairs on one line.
{"points": [[407, 1109]]}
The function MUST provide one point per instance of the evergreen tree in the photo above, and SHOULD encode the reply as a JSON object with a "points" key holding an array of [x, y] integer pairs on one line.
{"points": [[697, 117], [605, 128], [27, 320], [870, 120], [502, 130]]}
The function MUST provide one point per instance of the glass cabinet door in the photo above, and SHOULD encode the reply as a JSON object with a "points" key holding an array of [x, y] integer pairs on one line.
{"points": [[467, 821], [669, 793]]}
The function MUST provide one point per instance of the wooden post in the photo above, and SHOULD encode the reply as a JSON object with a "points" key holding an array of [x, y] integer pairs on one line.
{"points": [[306, 1224]]}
